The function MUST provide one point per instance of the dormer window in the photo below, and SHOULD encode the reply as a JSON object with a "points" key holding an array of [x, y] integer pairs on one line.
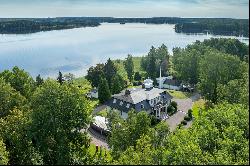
{"points": [[114, 101], [142, 106], [121, 103], [128, 105]]}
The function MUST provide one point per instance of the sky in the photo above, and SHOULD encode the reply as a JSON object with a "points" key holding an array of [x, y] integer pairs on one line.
{"points": [[125, 8]]}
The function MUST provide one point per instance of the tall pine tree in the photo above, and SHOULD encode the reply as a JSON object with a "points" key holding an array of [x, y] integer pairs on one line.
{"points": [[129, 67], [103, 91], [109, 71]]}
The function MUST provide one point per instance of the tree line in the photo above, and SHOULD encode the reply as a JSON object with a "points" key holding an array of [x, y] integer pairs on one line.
{"points": [[217, 26], [218, 67], [227, 27]]}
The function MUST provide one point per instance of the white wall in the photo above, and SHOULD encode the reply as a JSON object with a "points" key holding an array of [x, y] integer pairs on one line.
{"points": [[171, 87]]}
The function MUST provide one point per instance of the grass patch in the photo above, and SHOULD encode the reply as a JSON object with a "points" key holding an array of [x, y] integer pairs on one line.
{"points": [[103, 113], [92, 151], [179, 94], [94, 103], [200, 104]]}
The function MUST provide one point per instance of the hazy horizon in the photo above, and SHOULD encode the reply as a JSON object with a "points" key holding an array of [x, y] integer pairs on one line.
{"points": [[124, 8]]}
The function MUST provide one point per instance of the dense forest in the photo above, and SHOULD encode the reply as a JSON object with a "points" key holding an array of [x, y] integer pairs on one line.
{"points": [[32, 26], [217, 26], [44, 121], [232, 27]]}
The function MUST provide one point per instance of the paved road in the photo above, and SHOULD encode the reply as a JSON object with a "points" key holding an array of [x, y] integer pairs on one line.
{"points": [[97, 138], [183, 106]]}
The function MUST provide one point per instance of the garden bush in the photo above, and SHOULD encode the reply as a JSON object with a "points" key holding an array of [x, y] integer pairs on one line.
{"points": [[187, 118], [184, 122]]}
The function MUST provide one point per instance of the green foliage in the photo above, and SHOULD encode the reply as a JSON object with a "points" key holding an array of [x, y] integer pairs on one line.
{"points": [[137, 76], [83, 84], [179, 94], [235, 91], [187, 118], [15, 130], [190, 113], [110, 71], [219, 136], [126, 133], [117, 84], [69, 77], [184, 122], [19, 80], [217, 66], [94, 74], [171, 110], [39, 80], [104, 93], [215, 69], [129, 66], [59, 113], [4, 155], [228, 26], [9, 98], [141, 154], [60, 78], [229, 46], [174, 104], [156, 58], [186, 63]]}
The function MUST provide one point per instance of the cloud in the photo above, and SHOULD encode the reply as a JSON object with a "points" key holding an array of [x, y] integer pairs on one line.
{"points": [[125, 8]]}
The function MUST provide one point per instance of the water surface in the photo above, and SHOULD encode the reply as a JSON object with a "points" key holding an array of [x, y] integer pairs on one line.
{"points": [[75, 50]]}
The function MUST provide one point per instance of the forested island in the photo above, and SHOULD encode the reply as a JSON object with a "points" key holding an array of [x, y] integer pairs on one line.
{"points": [[216, 26]]}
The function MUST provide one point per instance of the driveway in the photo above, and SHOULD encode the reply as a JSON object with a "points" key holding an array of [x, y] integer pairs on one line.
{"points": [[97, 138], [183, 106]]}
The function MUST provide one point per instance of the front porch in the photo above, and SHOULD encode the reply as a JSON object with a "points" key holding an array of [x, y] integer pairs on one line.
{"points": [[160, 112]]}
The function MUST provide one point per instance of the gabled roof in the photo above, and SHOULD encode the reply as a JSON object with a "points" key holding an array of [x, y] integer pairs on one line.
{"points": [[138, 95], [172, 82]]}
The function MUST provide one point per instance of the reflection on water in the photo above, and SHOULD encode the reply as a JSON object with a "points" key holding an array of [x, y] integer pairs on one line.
{"points": [[75, 50]]}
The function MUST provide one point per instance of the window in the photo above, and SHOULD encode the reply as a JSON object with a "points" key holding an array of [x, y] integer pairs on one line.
{"points": [[114, 101], [142, 106], [121, 103], [128, 105]]}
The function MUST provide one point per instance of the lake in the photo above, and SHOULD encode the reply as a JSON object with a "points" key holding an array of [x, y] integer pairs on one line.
{"points": [[75, 50]]}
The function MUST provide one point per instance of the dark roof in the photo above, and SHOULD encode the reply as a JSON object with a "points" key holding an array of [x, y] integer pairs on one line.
{"points": [[172, 82], [128, 99], [138, 95], [117, 105]]}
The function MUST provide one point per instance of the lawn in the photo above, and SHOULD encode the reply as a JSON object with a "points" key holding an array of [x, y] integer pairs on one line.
{"points": [[92, 151], [200, 104], [103, 113], [179, 94]]}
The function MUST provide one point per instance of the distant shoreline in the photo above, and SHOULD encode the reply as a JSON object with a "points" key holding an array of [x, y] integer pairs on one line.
{"points": [[214, 26]]}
